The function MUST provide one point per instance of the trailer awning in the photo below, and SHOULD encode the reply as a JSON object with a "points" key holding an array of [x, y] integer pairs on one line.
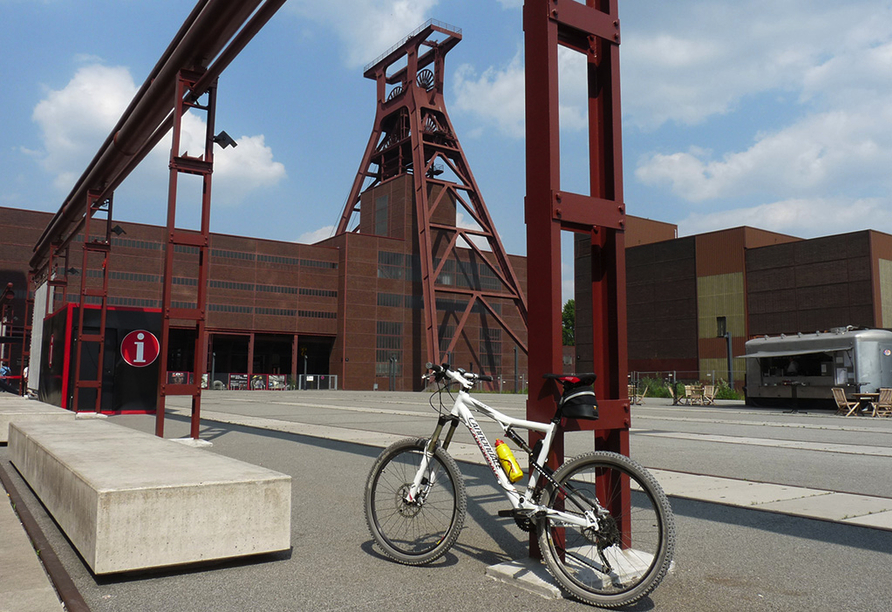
{"points": [[792, 353]]}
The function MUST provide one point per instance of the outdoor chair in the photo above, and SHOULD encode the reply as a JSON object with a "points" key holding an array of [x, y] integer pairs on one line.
{"points": [[883, 405], [674, 394], [635, 396], [843, 405], [709, 394]]}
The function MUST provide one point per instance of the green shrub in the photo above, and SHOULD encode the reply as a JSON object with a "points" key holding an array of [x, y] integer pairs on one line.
{"points": [[655, 387], [725, 392]]}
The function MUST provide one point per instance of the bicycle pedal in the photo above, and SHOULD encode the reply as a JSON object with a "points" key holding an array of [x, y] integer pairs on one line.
{"points": [[507, 513]]}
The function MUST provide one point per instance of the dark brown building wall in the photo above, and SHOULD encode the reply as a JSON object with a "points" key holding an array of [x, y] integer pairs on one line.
{"points": [[662, 303], [811, 285], [646, 231], [722, 252]]}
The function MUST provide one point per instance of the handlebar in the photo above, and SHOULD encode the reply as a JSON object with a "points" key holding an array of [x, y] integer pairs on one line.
{"points": [[458, 375]]}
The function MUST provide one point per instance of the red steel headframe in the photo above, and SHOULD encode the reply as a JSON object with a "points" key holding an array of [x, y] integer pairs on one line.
{"points": [[413, 135], [593, 30]]}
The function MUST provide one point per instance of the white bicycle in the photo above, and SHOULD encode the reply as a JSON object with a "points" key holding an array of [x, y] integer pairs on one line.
{"points": [[604, 525]]}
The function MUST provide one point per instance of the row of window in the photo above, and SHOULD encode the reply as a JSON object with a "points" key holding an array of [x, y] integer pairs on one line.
{"points": [[147, 303], [222, 253], [455, 273], [192, 282], [396, 300]]}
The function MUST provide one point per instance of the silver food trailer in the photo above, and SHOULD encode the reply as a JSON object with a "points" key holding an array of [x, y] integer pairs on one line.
{"points": [[789, 369]]}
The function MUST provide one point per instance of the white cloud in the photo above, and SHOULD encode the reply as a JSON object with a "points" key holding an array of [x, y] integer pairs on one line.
{"points": [[496, 96], [316, 235], [836, 148], [240, 171], [367, 28], [75, 120], [686, 66], [799, 217], [830, 152]]}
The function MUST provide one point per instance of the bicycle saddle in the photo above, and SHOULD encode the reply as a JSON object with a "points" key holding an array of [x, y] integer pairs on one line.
{"points": [[573, 379]]}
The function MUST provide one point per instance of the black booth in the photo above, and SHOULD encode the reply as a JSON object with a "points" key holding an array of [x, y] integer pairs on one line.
{"points": [[129, 377]]}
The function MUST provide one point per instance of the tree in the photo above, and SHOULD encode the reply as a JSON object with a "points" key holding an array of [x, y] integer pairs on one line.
{"points": [[568, 323]]}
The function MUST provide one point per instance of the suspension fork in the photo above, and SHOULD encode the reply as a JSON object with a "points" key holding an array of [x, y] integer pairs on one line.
{"points": [[452, 420], [424, 478]]}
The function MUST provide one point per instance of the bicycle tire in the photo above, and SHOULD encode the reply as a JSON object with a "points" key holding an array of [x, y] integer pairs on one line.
{"points": [[636, 546], [414, 534]]}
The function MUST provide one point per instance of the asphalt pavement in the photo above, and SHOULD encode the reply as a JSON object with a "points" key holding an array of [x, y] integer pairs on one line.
{"points": [[735, 552]]}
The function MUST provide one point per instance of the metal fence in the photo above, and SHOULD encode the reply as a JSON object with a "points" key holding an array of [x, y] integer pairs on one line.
{"points": [[240, 381]]}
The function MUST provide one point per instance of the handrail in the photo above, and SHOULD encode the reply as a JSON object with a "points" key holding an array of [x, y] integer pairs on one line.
{"points": [[430, 22]]}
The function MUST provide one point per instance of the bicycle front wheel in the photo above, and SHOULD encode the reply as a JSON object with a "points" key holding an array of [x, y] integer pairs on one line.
{"points": [[626, 556], [423, 530]]}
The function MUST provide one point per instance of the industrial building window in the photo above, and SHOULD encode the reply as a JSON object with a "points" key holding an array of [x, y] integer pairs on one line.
{"points": [[316, 314], [391, 265], [391, 300], [314, 263], [721, 324], [318, 292], [459, 306], [447, 273], [446, 334], [491, 349], [381, 215], [137, 302], [229, 308], [389, 346], [282, 312], [234, 286], [232, 254], [136, 244], [278, 259]]}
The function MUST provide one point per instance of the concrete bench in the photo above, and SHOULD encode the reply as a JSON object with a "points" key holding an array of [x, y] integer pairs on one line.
{"points": [[128, 500], [18, 409]]}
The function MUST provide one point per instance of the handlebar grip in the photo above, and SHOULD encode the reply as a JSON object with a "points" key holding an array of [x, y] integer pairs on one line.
{"points": [[485, 378]]}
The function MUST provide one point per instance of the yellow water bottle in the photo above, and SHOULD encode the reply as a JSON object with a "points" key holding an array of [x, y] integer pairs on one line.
{"points": [[509, 463]]}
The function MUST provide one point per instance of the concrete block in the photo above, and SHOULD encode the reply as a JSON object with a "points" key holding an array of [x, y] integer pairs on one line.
{"points": [[20, 410], [129, 500]]}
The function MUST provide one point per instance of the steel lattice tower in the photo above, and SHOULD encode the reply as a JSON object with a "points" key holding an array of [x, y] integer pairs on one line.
{"points": [[414, 136]]}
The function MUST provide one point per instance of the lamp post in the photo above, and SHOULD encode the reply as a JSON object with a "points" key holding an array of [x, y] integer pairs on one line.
{"points": [[727, 336]]}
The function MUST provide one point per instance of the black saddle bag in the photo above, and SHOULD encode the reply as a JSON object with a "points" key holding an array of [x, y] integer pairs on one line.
{"points": [[579, 402]]}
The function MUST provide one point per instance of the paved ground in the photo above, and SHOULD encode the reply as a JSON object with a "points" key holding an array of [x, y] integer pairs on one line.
{"points": [[728, 558]]}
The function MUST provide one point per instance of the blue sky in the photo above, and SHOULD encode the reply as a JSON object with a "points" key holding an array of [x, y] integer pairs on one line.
{"points": [[748, 112]]}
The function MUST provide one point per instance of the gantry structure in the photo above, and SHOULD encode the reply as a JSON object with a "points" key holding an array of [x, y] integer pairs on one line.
{"points": [[184, 79], [412, 135]]}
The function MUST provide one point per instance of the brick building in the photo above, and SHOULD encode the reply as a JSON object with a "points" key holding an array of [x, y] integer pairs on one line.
{"points": [[348, 307], [685, 294]]}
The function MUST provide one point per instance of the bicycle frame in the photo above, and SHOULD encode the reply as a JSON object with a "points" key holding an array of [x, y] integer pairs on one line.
{"points": [[461, 412]]}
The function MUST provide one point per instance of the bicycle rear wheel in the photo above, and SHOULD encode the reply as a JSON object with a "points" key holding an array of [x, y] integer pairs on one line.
{"points": [[629, 553], [421, 531]]}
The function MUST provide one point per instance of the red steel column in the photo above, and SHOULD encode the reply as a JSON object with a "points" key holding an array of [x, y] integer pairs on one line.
{"points": [[592, 29], [187, 240]]}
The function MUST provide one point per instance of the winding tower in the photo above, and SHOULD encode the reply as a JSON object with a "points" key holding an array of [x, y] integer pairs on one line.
{"points": [[460, 257]]}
